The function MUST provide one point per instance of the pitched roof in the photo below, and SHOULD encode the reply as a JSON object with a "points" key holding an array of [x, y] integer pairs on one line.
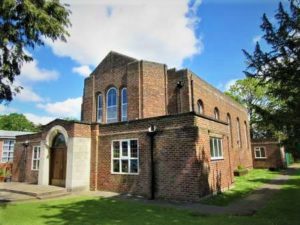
{"points": [[12, 134]]}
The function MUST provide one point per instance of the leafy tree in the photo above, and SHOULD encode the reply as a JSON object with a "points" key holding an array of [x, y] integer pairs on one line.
{"points": [[279, 69], [251, 94], [17, 122], [25, 24]]}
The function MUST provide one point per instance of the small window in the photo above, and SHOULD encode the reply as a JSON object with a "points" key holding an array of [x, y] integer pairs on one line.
{"points": [[200, 107], [246, 134], [8, 151], [260, 152], [216, 113], [124, 104], [216, 148], [99, 108], [238, 127], [111, 110], [230, 128], [125, 157], [36, 157]]}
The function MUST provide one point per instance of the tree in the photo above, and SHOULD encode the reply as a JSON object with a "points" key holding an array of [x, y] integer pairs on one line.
{"points": [[279, 68], [25, 24], [249, 93], [17, 122]]}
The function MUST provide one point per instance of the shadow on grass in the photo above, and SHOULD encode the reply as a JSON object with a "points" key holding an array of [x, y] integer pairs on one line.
{"points": [[106, 211]]}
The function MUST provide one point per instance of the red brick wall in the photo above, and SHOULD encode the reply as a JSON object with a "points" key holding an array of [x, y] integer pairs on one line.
{"points": [[22, 164], [274, 157], [211, 98], [181, 153]]}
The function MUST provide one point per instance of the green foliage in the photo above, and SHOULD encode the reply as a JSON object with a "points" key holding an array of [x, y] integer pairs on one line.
{"points": [[17, 122], [25, 24], [278, 69], [254, 97]]}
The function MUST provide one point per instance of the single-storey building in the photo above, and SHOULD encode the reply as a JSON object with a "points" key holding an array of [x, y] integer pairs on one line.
{"points": [[268, 153], [145, 130], [7, 143]]}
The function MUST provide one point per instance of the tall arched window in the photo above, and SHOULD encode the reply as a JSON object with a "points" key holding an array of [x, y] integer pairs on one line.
{"points": [[238, 127], [216, 113], [111, 108], [246, 134], [200, 107], [230, 128], [124, 104], [99, 108]]}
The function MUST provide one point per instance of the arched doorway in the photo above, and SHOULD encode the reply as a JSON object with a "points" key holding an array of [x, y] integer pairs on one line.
{"points": [[58, 161]]}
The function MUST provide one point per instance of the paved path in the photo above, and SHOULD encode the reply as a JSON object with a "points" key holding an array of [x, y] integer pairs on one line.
{"points": [[246, 206]]}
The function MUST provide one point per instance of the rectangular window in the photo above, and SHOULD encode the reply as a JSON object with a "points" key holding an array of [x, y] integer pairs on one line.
{"points": [[8, 151], [260, 152], [125, 157], [216, 148], [36, 157]]}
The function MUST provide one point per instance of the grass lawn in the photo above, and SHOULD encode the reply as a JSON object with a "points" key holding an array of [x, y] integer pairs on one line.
{"points": [[243, 186], [283, 209]]}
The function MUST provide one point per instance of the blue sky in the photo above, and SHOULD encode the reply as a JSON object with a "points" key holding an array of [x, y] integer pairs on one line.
{"points": [[205, 36]]}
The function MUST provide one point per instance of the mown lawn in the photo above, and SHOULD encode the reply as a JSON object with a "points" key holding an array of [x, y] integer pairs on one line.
{"points": [[283, 209], [243, 186]]}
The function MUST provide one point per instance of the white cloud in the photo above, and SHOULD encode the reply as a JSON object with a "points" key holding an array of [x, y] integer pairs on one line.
{"points": [[257, 38], [38, 119], [84, 70], [229, 84], [6, 109], [31, 72], [162, 31], [71, 107], [28, 95]]}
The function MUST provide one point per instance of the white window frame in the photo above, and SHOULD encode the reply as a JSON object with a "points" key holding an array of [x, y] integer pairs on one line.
{"points": [[112, 119], [124, 117], [125, 157], [8, 148], [258, 149], [219, 146], [99, 109], [38, 149]]}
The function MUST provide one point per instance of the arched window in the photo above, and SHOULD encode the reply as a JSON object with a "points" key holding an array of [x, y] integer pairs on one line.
{"points": [[99, 108], [246, 134], [200, 107], [124, 104], [59, 141], [216, 113], [230, 128], [238, 127], [111, 108]]}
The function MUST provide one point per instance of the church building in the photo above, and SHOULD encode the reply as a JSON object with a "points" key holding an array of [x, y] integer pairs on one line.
{"points": [[145, 130]]}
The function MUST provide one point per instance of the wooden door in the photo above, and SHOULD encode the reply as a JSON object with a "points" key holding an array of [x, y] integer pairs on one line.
{"points": [[58, 164]]}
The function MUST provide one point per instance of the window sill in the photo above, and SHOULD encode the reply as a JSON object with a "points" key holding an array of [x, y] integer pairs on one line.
{"points": [[116, 173], [261, 158], [216, 159]]}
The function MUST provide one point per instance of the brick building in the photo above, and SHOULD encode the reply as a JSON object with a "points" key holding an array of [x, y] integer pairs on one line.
{"points": [[268, 153], [145, 130]]}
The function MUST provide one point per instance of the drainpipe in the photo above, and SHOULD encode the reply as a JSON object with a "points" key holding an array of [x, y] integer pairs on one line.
{"points": [[25, 145], [151, 133]]}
